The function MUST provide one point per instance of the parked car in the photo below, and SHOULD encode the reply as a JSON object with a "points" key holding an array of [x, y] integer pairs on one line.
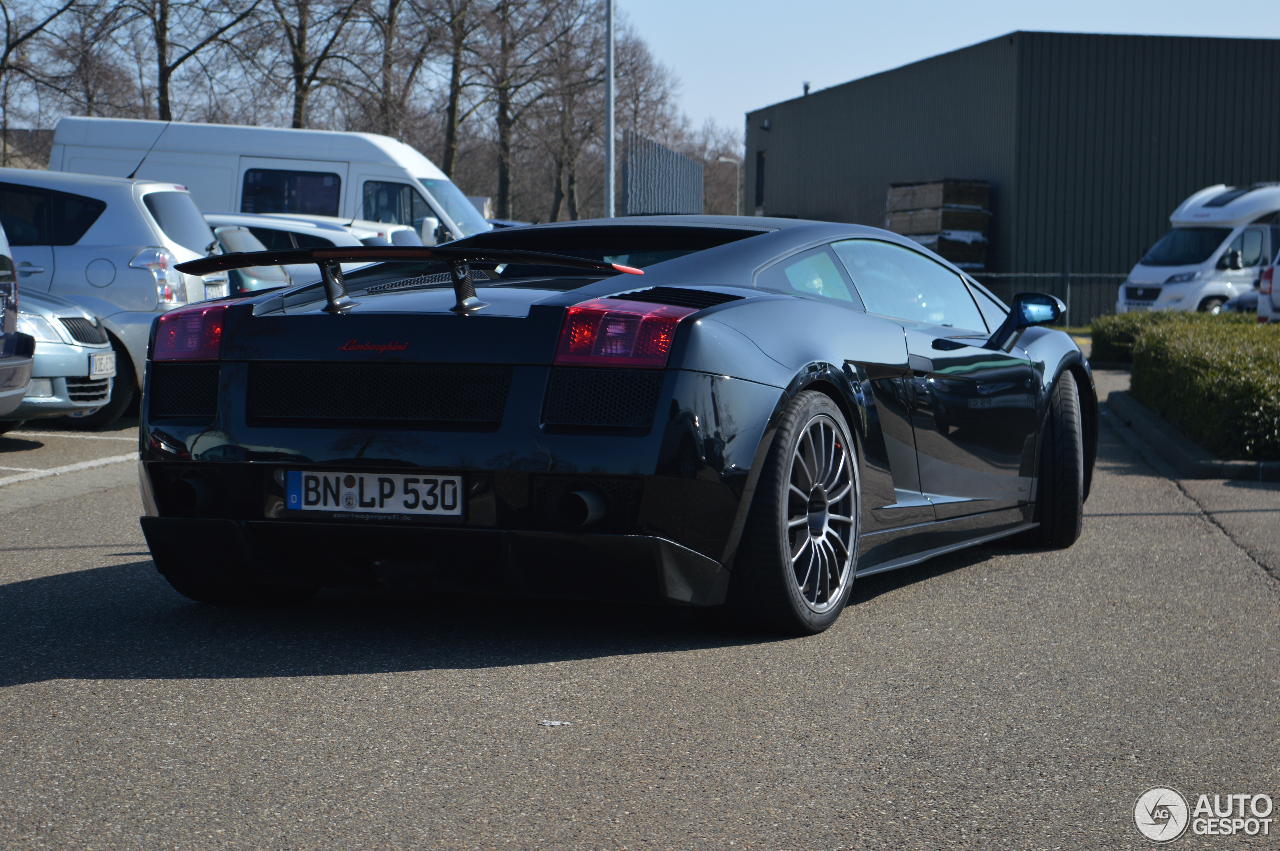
{"points": [[233, 239], [1219, 244], [745, 420], [379, 233], [280, 233], [74, 364], [1244, 303], [16, 348], [109, 245], [235, 169]]}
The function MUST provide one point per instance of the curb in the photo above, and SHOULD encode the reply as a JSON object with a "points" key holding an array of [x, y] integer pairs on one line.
{"points": [[1183, 454]]}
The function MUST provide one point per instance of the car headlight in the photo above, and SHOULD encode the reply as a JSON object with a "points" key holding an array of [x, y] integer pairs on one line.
{"points": [[38, 327], [171, 288], [1185, 277]]}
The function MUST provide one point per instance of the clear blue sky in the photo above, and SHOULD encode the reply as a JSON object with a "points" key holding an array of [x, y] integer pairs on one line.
{"points": [[737, 55]]}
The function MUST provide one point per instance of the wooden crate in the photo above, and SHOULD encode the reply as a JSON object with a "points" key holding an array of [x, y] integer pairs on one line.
{"points": [[966, 255], [936, 220], [975, 194]]}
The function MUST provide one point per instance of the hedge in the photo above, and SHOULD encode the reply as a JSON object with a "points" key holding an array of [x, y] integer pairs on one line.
{"points": [[1216, 379], [1113, 336]]}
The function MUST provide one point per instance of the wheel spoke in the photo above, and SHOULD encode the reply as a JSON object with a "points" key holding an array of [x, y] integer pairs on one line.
{"points": [[839, 518], [795, 558], [799, 493], [833, 537], [797, 521], [808, 570], [835, 477], [834, 498], [808, 439]]}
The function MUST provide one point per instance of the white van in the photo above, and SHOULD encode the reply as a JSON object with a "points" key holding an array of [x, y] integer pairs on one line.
{"points": [[1221, 240], [232, 169]]}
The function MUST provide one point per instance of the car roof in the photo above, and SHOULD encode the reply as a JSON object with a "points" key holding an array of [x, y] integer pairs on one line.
{"points": [[70, 180]]}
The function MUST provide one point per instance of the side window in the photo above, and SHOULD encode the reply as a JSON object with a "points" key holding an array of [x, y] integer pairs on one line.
{"points": [[306, 240], [1251, 253], [993, 310], [895, 281], [72, 216], [813, 273], [274, 240], [269, 190], [24, 213], [393, 203]]}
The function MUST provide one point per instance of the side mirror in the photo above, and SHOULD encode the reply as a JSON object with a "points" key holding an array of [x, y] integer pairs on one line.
{"points": [[427, 231], [1027, 309], [1230, 260]]}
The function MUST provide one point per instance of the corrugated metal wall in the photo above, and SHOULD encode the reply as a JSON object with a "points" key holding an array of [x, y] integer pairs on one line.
{"points": [[1115, 131], [1088, 141], [832, 155]]}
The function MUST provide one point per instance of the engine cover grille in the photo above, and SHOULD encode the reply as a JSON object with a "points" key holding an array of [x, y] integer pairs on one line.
{"points": [[621, 398], [84, 331], [183, 390], [429, 394], [1142, 293]]}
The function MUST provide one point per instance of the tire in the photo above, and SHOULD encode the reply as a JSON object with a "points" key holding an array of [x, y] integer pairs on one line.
{"points": [[123, 389], [801, 535], [239, 593], [1060, 491], [7, 426], [1212, 305]]}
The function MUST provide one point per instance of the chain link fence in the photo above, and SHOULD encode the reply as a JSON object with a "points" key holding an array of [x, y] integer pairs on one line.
{"points": [[657, 180], [1087, 295]]}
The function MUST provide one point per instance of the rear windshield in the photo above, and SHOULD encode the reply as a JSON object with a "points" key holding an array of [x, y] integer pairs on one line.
{"points": [[1186, 246], [178, 217]]}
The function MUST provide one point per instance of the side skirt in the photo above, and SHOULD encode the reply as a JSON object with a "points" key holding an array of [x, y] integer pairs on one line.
{"points": [[948, 536]]}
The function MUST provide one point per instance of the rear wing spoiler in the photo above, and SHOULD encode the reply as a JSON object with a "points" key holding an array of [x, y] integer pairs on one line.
{"points": [[330, 261]]}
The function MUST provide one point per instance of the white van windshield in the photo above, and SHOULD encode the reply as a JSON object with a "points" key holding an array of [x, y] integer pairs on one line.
{"points": [[455, 205], [1186, 247]]}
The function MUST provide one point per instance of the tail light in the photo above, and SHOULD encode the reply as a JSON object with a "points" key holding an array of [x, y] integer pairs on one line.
{"points": [[1264, 284], [616, 332], [194, 333], [171, 286]]}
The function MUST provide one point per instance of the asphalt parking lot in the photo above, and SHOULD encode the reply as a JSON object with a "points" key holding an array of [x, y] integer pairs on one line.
{"points": [[996, 698]]}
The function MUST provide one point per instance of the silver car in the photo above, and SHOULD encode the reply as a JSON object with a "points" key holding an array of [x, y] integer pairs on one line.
{"points": [[74, 363], [15, 347], [109, 245]]}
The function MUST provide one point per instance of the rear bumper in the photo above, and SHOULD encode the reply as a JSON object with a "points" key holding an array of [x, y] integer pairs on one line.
{"points": [[635, 568]]}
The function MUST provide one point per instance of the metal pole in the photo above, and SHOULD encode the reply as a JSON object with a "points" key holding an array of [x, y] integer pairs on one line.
{"points": [[610, 164]]}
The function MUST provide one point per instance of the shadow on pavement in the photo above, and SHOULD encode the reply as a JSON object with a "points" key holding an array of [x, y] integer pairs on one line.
{"points": [[125, 622]]}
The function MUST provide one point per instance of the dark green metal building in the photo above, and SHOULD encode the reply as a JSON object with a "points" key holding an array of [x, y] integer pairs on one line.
{"points": [[1089, 142]]}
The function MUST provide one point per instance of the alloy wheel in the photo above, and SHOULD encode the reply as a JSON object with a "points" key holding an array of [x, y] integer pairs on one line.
{"points": [[821, 526]]}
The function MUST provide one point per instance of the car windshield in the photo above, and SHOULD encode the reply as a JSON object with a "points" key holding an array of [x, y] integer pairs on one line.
{"points": [[1186, 247], [455, 205], [177, 216]]}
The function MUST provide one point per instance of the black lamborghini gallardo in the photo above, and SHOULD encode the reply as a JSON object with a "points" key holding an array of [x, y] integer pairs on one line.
{"points": [[690, 410]]}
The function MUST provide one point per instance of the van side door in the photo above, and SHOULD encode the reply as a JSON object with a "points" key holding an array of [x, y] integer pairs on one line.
{"points": [[307, 187], [26, 217]]}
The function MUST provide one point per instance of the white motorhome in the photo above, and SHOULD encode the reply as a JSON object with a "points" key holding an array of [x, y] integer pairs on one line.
{"points": [[232, 169], [1222, 239]]}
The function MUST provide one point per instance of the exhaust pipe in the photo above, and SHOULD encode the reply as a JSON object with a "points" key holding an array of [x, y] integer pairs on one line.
{"points": [[189, 495], [582, 507]]}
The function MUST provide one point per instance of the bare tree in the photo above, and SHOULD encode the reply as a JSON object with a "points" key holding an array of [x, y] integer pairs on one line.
{"points": [[512, 54], [312, 31], [22, 25], [383, 78], [180, 30], [459, 21]]}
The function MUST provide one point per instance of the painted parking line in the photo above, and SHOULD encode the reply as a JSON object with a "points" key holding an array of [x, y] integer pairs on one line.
{"points": [[69, 468], [22, 469], [71, 436]]}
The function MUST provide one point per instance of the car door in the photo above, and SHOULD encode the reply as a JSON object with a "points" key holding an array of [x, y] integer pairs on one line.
{"points": [[1250, 244], [24, 213], [891, 484], [973, 408]]}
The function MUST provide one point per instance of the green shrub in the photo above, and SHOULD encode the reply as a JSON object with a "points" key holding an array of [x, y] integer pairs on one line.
{"points": [[1219, 382], [1113, 336]]}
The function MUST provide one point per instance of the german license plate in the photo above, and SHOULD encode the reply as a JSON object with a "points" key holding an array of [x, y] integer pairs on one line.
{"points": [[102, 365], [422, 494]]}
